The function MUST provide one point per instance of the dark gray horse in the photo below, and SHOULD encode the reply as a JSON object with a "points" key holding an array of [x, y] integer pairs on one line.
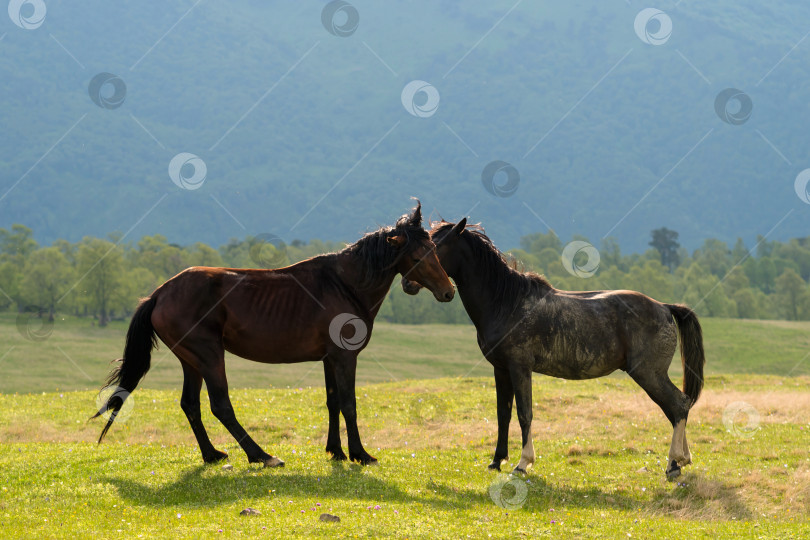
{"points": [[525, 325]]}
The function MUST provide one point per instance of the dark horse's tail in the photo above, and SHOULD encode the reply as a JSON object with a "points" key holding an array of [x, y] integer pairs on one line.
{"points": [[692, 354], [141, 339]]}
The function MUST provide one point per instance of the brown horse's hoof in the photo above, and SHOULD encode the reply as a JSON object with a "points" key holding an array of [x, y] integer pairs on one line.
{"points": [[273, 462], [338, 455], [518, 470], [674, 471], [216, 457], [365, 460]]}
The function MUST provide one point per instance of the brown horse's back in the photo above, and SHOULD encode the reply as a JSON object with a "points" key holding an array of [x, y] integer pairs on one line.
{"points": [[261, 315]]}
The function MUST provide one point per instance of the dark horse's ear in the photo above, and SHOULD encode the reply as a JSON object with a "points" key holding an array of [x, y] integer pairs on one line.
{"points": [[459, 227], [416, 215], [397, 241]]}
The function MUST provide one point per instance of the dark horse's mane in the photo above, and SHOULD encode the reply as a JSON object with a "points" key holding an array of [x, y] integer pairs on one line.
{"points": [[511, 285], [377, 255]]}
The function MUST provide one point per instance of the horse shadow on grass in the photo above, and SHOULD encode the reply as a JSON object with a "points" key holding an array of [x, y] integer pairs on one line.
{"points": [[211, 486]]}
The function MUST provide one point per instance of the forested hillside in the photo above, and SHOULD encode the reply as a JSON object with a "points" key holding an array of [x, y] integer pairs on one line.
{"points": [[303, 133], [101, 279]]}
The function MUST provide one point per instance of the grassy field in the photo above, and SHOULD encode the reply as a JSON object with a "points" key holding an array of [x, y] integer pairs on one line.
{"points": [[601, 446], [76, 356]]}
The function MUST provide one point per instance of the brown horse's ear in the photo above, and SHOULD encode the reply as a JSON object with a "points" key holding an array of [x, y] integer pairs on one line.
{"points": [[397, 241], [459, 227], [416, 215]]}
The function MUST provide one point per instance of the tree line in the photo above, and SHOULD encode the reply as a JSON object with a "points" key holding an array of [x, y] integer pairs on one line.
{"points": [[102, 278]]}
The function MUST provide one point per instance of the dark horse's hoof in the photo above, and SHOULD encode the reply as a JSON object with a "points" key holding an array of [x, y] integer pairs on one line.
{"points": [[273, 462], [495, 465], [216, 457], [674, 471]]}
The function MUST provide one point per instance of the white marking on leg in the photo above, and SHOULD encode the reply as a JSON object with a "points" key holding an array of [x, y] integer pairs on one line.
{"points": [[527, 456], [687, 455], [676, 449]]}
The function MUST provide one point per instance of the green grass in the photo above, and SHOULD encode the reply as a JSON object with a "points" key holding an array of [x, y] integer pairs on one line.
{"points": [[601, 446], [76, 356], [593, 439]]}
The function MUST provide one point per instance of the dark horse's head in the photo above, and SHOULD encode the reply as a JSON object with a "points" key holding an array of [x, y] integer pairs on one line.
{"points": [[407, 248], [445, 236]]}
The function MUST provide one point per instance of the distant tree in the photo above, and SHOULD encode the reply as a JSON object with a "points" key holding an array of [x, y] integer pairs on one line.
{"points": [[46, 277], [666, 243], [17, 244], [102, 276], [791, 290]]}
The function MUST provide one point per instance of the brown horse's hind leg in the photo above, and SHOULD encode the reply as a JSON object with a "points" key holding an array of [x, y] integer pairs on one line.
{"points": [[333, 446], [675, 405], [190, 403], [217, 385]]}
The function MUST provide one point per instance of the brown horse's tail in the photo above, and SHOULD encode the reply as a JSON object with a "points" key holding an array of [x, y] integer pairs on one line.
{"points": [[141, 339], [692, 355]]}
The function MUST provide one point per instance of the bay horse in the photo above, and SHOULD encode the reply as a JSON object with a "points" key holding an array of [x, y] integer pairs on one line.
{"points": [[525, 325], [320, 309]]}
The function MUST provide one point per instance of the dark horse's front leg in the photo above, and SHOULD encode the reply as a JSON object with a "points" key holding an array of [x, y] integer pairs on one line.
{"points": [[521, 373], [505, 398], [345, 366], [333, 446]]}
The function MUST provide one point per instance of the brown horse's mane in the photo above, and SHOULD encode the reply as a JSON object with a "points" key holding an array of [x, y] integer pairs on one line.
{"points": [[377, 256], [511, 283]]}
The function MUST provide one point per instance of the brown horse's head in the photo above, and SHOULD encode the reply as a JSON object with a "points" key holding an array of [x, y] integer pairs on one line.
{"points": [[445, 235], [418, 262]]}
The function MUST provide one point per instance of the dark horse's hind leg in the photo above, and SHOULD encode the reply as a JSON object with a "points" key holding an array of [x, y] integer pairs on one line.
{"points": [[190, 403], [675, 405], [333, 446], [505, 397], [345, 365]]}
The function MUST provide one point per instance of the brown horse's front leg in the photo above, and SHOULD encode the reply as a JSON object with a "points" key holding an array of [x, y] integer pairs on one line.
{"points": [[505, 398], [333, 445], [345, 363]]}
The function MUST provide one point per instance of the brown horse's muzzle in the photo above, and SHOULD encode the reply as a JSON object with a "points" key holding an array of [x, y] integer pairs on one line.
{"points": [[411, 287]]}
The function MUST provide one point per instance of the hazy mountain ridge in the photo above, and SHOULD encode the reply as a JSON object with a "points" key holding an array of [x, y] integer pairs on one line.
{"points": [[313, 129]]}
